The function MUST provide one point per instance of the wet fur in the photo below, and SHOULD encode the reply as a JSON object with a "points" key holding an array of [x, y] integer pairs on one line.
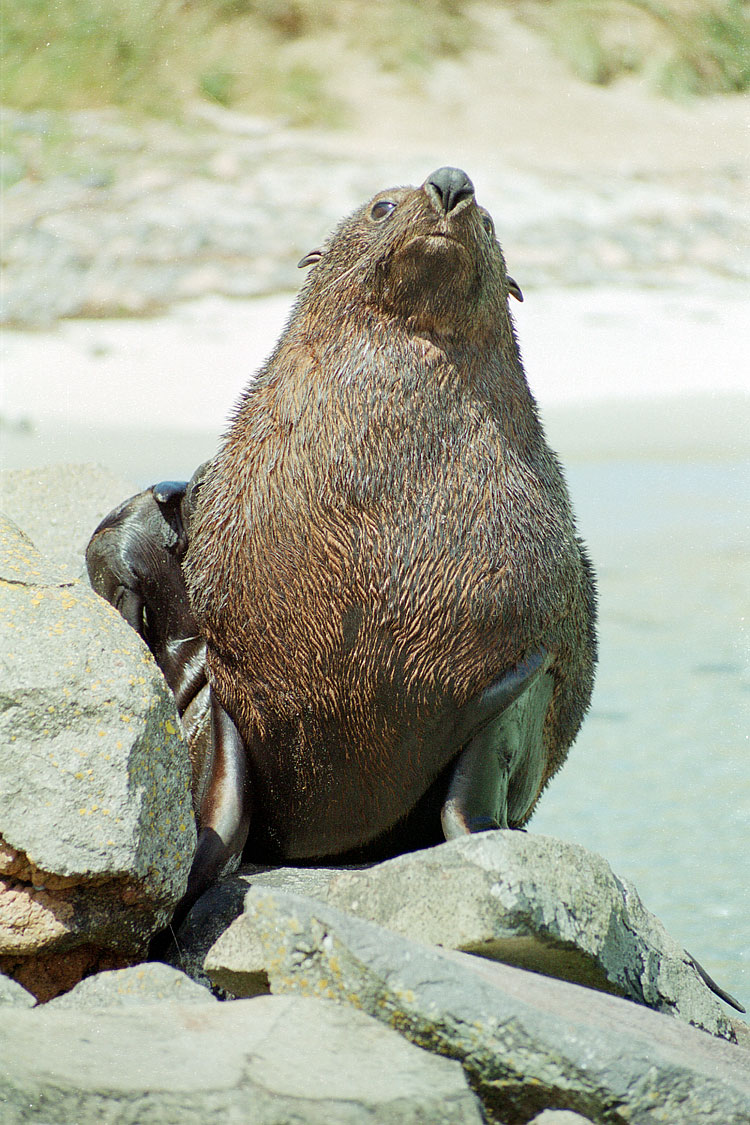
{"points": [[384, 533]]}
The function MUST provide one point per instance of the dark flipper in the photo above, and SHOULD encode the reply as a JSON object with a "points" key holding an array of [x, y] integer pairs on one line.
{"points": [[725, 996], [169, 495], [224, 810], [498, 773], [134, 560]]}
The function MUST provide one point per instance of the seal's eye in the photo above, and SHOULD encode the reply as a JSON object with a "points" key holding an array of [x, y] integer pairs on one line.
{"points": [[382, 209]]}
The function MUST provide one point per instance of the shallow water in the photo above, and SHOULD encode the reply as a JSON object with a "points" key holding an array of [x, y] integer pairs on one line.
{"points": [[658, 780]]}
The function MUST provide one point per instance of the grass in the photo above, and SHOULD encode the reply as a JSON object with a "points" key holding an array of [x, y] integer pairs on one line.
{"points": [[684, 47], [270, 56], [256, 55]]}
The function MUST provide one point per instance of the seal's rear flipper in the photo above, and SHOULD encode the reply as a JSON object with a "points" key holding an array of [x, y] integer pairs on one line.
{"points": [[499, 770], [725, 996]]}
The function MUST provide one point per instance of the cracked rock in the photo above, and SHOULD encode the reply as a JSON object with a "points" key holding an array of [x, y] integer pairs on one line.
{"points": [[96, 822]]}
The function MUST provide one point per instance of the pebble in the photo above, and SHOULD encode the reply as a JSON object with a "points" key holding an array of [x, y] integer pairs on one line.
{"points": [[130, 218]]}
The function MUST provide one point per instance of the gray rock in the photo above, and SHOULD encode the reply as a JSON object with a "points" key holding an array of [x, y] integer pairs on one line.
{"points": [[225, 901], [272, 1061], [530, 901], [212, 914], [537, 903], [96, 822], [527, 1042], [12, 994], [148, 983], [59, 506], [165, 213], [560, 1117]]}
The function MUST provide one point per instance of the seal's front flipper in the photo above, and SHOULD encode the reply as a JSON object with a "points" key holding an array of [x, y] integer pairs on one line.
{"points": [[224, 809], [134, 560], [499, 771], [176, 500]]}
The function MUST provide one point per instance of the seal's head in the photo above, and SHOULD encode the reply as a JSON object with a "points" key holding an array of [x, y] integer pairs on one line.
{"points": [[428, 254]]}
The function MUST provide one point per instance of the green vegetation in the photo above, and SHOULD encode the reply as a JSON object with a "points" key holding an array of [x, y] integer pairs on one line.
{"points": [[275, 56], [685, 47], [263, 56]]}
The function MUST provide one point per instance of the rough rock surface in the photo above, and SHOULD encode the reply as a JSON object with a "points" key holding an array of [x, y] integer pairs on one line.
{"points": [[537, 903], [272, 1061], [527, 1042], [14, 995], [214, 912], [59, 506], [96, 825], [148, 983], [530, 901], [560, 1117]]}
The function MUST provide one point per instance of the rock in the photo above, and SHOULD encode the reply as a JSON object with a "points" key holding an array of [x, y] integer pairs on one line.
{"points": [[206, 922], [14, 995], [537, 903], [148, 983], [164, 212], [222, 903], [527, 1042], [96, 823], [560, 1117], [741, 1031], [269, 1061], [530, 901], [59, 506]]}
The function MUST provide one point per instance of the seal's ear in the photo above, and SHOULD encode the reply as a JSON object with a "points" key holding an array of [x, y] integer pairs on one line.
{"points": [[310, 259], [515, 289]]}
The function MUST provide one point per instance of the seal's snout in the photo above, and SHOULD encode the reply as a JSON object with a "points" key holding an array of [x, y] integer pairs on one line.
{"points": [[448, 187]]}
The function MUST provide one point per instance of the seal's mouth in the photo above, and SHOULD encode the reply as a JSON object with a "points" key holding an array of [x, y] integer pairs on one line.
{"points": [[441, 234]]}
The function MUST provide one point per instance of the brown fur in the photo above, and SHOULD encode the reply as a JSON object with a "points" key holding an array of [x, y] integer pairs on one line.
{"points": [[385, 532]]}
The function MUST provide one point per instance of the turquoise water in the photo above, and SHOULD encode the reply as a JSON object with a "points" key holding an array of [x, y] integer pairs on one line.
{"points": [[659, 779]]}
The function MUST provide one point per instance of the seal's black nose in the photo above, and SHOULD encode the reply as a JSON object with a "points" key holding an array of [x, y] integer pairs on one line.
{"points": [[451, 185]]}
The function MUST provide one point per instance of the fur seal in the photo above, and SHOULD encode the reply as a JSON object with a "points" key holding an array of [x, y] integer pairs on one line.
{"points": [[390, 618], [399, 616]]}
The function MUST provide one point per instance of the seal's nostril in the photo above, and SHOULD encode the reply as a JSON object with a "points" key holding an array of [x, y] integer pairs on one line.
{"points": [[451, 185]]}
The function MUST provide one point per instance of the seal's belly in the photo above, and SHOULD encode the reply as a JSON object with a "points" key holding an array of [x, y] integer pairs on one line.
{"points": [[352, 715], [334, 788], [355, 650]]}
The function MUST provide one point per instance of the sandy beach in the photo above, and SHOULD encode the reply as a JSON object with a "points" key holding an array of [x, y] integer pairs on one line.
{"points": [[616, 372]]}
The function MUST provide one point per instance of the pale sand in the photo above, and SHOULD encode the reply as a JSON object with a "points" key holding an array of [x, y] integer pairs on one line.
{"points": [[616, 373]]}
